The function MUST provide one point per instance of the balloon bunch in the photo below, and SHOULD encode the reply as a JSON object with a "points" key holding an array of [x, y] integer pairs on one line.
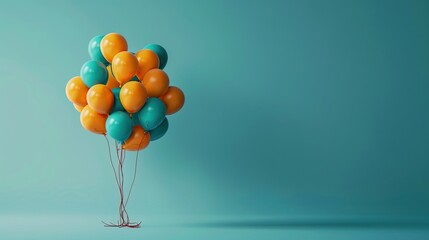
{"points": [[125, 96]]}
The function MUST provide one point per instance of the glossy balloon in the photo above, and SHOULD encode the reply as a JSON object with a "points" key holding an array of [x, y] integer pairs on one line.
{"points": [[111, 44], [93, 121], [93, 72], [138, 140], [147, 60], [152, 114], [174, 99], [76, 91], [133, 96], [160, 51], [111, 81], [156, 82], [117, 105], [119, 126], [159, 131], [124, 67], [94, 50], [78, 108], [100, 98]]}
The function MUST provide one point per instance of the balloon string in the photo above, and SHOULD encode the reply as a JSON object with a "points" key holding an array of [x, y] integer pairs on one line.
{"points": [[123, 212], [120, 184], [116, 145], [111, 162], [135, 173], [124, 220], [121, 205]]}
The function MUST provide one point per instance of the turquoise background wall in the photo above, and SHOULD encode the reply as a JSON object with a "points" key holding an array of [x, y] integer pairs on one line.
{"points": [[294, 108]]}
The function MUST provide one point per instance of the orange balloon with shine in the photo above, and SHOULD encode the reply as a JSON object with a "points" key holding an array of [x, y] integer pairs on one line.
{"points": [[173, 99], [93, 121], [124, 66], [100, 98], [111, 44], [156, 82], [138, 140], [76, 91], [133, 96], [148, 60]]}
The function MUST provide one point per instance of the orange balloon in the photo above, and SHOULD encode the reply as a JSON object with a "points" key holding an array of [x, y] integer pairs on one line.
{"points": [[76, 91], [100, 98], [124, 66], [78, 108], [93, 121], [138, 140], [156, 82], [133, 96], [111, 82], [147, 60], [111, 44], [173, 99]]}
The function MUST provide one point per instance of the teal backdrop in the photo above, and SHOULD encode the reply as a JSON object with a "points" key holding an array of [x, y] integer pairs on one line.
{"points": [[294, 109]]}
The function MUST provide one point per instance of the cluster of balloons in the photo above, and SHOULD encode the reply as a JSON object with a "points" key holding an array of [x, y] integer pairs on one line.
{"points": [[123, 94]]}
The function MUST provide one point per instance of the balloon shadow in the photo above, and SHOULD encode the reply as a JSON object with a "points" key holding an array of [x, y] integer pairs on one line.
{"points": [[339, 223]]}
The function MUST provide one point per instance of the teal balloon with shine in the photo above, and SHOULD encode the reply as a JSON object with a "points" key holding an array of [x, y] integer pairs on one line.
{"points": [[95, 51], [93, 72], [160, 52], [159, 131], [152, 114], [117, 105], [119, 126]]}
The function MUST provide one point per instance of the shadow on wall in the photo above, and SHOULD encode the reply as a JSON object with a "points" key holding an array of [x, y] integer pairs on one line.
{"points": [[336, 223]]}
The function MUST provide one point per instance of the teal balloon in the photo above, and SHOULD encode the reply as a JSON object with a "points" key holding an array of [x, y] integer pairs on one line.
{"points": [[94, 72], [94, 50], [152, 114], [160, 51], [135, 118], [119, 126], [117, 105], [159, 131]]}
